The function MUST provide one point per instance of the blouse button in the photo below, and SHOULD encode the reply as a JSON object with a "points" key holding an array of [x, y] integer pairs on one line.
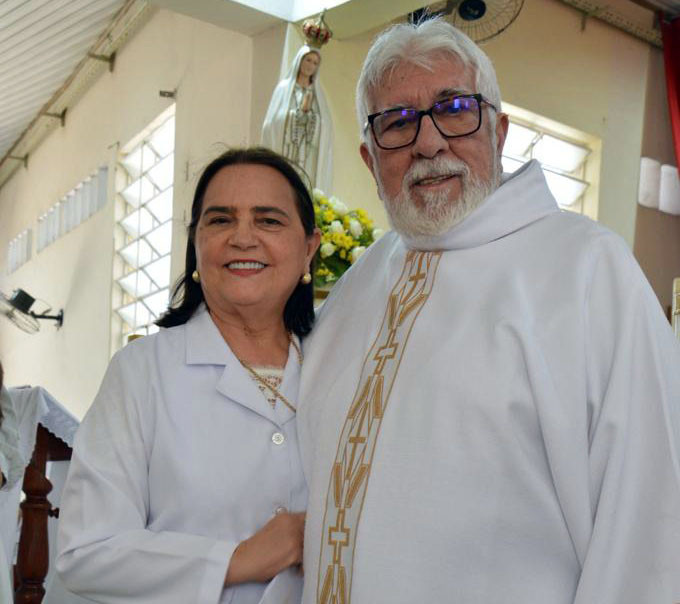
{"points": [[278, 438]]}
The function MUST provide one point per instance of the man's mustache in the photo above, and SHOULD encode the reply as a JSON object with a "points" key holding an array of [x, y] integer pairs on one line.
{"points": [[435, 168]]}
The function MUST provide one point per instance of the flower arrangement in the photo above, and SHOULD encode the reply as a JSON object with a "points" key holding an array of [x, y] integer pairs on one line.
{"points": [[345, 235]]}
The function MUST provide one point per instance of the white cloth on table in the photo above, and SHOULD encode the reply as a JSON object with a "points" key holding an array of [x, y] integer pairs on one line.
{"points": [[12, 465], [6, 584], [527, 450], [30, 406], [179, 459]]}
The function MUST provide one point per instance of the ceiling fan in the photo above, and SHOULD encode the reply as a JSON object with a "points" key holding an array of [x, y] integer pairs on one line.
{"points": [[17, 308], [481, 19]]}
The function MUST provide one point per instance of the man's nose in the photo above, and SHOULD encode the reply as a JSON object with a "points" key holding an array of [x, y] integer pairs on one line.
{"points": [[429, 141]]}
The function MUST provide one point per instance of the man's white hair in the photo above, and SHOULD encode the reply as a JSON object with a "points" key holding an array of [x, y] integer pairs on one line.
{"points": [[421, 44]]}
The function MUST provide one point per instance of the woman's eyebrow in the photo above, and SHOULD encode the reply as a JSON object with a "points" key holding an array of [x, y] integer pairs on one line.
{"points": [[218, 210], [269, 210]]}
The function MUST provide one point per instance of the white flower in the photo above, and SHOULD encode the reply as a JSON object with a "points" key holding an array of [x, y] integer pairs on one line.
{"points": [[355, 228], [336, 227], [338, 207], [327, 249], [356, 252], [377, 234], [317, 194]]}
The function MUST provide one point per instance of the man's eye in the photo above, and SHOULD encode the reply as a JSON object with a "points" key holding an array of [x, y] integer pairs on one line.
{"points": [[219, 220], [397, 124], [453, 108], [398, 121]]}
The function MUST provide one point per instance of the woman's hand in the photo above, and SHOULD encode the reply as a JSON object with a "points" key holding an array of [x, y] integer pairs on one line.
{"points": [[276, 546]]}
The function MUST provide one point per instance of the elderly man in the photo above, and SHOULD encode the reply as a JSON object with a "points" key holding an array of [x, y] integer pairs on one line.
{"points": [[489, 405]]}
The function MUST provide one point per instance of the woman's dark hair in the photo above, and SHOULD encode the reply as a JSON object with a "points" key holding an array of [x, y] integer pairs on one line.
{"points": [[298, 314]]}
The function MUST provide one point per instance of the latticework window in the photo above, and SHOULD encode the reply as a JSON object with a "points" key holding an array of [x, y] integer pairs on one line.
{"points": [[86, 198], [563, 161], [19, 250], [144, 232]]}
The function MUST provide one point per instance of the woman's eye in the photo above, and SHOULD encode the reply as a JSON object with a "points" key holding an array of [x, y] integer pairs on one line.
{"points": [[218, 220], [271, 221]]}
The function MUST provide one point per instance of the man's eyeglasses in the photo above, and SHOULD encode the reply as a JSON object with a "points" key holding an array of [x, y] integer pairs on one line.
{"points": [[460, 115]]}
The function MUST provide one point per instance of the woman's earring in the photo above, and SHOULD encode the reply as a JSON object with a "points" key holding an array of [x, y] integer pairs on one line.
{"points": [[196, 277], [306, 278]]}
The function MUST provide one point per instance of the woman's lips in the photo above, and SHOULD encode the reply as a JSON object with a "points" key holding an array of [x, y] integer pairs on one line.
{"points": [[245, 267]]}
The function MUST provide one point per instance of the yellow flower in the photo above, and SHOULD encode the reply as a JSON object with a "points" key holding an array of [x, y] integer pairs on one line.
{"points": [[328, 215]]}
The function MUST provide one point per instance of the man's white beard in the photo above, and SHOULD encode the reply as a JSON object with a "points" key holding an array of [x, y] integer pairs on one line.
{"points": [[437, 213]]}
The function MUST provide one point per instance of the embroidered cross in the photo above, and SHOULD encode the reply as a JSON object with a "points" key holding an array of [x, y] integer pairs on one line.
{"points": [[338, 536]]}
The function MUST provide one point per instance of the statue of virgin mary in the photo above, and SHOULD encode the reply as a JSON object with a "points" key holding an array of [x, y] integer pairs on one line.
{"points": [[298, 123]]}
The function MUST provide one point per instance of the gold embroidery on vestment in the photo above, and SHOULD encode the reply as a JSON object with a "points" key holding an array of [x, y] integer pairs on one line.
{"points": [[352, 465]]}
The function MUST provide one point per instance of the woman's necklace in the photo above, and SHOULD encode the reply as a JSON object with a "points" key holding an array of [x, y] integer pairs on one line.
{"points": [[273, 389]]}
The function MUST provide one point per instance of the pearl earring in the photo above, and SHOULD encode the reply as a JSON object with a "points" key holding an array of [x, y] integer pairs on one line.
{"points": [[196, 276], [306, 278]]}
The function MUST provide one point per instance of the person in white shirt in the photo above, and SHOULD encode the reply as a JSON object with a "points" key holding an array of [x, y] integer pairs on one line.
{"points": [[489, 410], [185, 484], [12, 466], [12, 463]]}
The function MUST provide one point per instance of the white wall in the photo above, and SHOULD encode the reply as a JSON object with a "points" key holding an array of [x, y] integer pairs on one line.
{"points": [[211, 68], [592, 80], [657, 234]]}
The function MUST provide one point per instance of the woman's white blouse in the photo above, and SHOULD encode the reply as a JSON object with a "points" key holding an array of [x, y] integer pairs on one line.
{"points": [[178, 460]]}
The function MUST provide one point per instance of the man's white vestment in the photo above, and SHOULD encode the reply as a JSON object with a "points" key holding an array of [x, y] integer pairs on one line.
{"points": [[493, 418]]}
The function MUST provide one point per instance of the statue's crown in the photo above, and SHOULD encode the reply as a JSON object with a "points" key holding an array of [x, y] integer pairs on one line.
{"points": [[316, 31]]}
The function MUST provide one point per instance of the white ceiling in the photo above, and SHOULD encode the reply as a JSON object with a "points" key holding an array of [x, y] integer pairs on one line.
{"points": [[41, 43], [44, 47]]}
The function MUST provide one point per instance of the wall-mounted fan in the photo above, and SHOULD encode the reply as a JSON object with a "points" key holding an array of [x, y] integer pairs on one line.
{"points": [[482, 19], [17, 308]]}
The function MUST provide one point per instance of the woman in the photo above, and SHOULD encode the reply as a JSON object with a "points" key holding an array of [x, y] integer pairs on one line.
{"points": [[185, 484], [298, 122]]}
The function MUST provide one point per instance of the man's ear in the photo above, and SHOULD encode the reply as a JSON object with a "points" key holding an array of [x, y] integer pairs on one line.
{"points": [[367, 157], [502, 125]]}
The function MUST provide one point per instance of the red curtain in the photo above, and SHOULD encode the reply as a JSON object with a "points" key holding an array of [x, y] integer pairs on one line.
{"points": [[670, 32]]}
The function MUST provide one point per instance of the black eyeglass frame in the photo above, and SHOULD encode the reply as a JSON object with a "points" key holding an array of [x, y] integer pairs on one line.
{"points": [[423, 112]]}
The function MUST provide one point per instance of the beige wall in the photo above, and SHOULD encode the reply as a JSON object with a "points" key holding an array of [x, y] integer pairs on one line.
{"points": [[203, 62], [657, 234], [593, 80]]}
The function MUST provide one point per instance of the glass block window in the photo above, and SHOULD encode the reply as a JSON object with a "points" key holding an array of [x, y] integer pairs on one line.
{"points": [[19, 251], [86, 198], [563, 161], [144, 183]]}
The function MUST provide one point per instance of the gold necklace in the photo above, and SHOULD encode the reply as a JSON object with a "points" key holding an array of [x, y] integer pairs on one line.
{"points": [[275, 391]]}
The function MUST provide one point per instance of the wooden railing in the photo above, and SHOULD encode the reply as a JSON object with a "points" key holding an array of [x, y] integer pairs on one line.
{"points": [[33, 555]]}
